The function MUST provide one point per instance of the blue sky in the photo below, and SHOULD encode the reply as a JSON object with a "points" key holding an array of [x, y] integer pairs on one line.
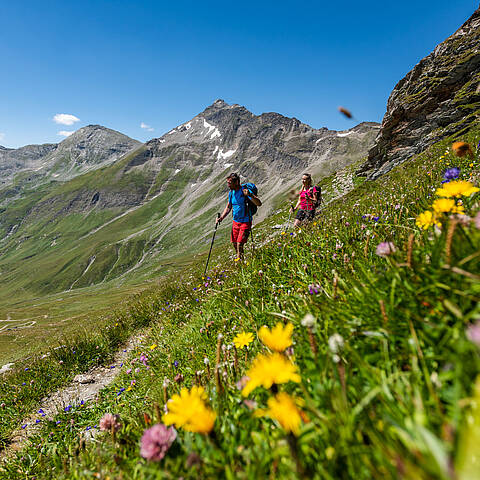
{"points": [[120, 63]]}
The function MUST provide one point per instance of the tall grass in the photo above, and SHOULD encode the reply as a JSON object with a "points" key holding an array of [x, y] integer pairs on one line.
{"points": [[387, 368]]}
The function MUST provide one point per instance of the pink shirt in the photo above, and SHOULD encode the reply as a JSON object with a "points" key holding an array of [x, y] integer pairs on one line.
{"points": [[305, 203]]}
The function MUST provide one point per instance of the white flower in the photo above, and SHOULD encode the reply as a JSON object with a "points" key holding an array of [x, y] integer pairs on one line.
{"points": [[206, 361], [335, 342], [308, 321]]}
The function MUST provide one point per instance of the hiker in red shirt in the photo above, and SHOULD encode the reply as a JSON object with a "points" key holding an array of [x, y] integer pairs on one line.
{"points": [[309, 198], [238, 199]]}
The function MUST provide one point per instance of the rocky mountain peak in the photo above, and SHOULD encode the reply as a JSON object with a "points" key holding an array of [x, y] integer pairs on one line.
{"points": [[438, 98]]}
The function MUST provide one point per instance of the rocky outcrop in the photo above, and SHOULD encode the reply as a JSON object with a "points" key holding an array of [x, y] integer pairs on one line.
{"points": [[438, 98]]}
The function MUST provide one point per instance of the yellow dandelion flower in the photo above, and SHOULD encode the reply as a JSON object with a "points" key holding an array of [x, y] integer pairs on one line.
{"points": [[426, 220], [457, 188], [447, 205], [270, 369], [153, 347], [283, 408], [470, 165], [188, 411], [277, 339], [284, 233], [243, 339], [237, 260]]}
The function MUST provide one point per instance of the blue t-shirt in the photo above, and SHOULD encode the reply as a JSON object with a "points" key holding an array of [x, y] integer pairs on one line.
{"points": [[238, 201]]}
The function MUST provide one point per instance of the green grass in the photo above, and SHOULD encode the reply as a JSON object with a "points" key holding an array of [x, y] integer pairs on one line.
{"points": [[393, 401]]}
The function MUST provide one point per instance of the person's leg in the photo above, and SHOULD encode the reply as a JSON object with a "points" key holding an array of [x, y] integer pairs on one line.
{"points": [[299, 218], [240, 251]]}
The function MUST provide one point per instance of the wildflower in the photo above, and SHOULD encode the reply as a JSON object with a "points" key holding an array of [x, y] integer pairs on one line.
{"points": [[153, 347], [314, 289], [308, 321], [457, 188], [156, 441], [110, 422], [473, 333], [335, 342], [446, 205], [426, 220], [476, 220], [329, 452], [188, 410], [277, 339], [268, 370], [451, 174], [384, 249], [283, 408], [243, 339]]}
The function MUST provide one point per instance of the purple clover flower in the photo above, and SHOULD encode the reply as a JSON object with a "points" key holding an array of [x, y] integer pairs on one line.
{"points": [[110, 421], [473, 333], [384, 249], [175, 363], [156, 441]]}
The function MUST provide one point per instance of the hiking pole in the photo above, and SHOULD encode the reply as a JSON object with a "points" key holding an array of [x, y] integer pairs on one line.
{"points": [[288, 221], [211, 245]]}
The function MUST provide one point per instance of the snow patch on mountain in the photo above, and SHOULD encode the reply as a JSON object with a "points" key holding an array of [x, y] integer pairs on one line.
{"points": [[225, 155]]}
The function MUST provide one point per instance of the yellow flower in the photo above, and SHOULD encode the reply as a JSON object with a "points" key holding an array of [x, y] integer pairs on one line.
{"points": [[243, 339], [188, 410], [269, 369], [284, 233], [329, 452], [283, 408], [426, 220], [457, 188], [446, 205], [237, 260], [153, 347], [279, 338]]}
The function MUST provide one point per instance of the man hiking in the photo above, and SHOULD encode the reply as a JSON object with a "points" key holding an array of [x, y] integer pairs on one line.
{"points": [[238, 200]]}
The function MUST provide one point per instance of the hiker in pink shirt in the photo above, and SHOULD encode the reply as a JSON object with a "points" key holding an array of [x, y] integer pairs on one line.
{"points": [[308, 200]]}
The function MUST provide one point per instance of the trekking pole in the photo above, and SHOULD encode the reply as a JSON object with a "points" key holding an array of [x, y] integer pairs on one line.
{"points": [[288, 221], [211, 245]]}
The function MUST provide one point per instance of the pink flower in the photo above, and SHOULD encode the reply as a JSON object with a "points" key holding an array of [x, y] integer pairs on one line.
{"points": [[473, 333], [110, 421], [156, 441], [476, 220], [384, 249]]}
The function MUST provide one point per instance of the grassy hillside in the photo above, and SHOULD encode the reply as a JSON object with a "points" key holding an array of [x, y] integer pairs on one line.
{"points": [[376, 381]]}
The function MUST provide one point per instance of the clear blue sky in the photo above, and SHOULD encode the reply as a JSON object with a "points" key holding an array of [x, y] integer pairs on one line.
{"points": [[120, 63]]}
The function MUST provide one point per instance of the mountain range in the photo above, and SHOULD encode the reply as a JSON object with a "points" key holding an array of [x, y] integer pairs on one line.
{"points": [[100, 206]]}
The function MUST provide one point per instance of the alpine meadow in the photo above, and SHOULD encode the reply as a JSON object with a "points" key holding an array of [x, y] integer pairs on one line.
{"points": [[344, 343]]}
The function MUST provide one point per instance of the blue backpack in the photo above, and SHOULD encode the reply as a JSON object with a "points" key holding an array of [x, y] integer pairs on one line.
{"points": [[250, 206]]}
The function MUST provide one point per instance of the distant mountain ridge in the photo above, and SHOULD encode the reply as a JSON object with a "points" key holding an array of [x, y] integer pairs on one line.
{"points": [[90, 214], [89, 147]]}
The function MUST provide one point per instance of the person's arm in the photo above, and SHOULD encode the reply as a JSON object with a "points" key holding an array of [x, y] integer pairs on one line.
{"points": [[252, 197], [296, 206], [224, 213]]}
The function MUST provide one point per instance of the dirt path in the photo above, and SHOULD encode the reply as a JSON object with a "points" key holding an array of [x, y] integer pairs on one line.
{"points": [[84, 387]]}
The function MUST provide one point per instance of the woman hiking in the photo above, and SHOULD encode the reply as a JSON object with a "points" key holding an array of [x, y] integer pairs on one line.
{"points": [[309, 198]]}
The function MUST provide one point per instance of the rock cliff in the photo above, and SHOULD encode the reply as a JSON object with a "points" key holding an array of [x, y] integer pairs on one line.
{"points": [[438, 98]]}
